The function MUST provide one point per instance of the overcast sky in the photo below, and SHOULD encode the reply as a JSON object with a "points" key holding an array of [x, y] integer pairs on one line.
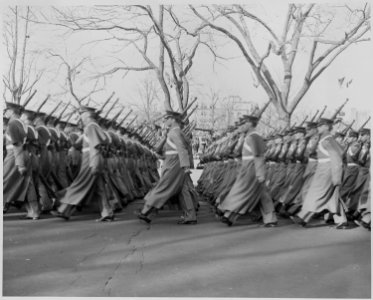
{"points": [[231, 77]]}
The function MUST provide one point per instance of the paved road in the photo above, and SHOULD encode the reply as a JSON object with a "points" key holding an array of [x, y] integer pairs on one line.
{"points": [[52, 257]]}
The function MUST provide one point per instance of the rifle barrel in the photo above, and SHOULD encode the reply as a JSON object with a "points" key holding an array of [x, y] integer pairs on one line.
{"points": [[189, 105], [339, 109], [264, 108], [133, 120], [314, 116], [110, 109], [42, 104], [365, 123], [107, 101], [321, 114], [190, 113], [29, 99]]}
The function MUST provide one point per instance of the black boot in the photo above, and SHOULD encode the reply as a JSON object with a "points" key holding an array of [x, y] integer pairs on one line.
{"points": [[144, 217], [225, 220]]}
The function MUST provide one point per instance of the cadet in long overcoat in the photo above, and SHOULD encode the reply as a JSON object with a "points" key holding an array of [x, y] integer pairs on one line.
{"points": [[323, 193], [89, 185], [249, 191], [18, 184], [175, 167]]}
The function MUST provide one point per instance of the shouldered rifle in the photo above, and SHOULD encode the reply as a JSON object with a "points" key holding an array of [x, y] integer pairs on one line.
{"points": [[130, 123], [365, 123], [60, 115], [42, 104], [111, 108], [116, 116], [148, 136], [191, 129], [190, 113], [300, 125], [263, 109], [139, 128], [321, 114], [339, 110], [107, 101], [314, 116], [188, 129], [121, 122], [69, 117], [189, 105], [344, 131], [51, 113], [29, 98]]}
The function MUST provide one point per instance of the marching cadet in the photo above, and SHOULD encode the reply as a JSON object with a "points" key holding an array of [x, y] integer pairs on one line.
{"points": [[295, 156], [32, 145], [5, 125], [231, 165], [363, 214], [45, 191], [249, 191], [74, 153], [273, 160], [54, 150], [323, 193], [89, 185], [175, 168], [226, 171], [351, 170], [125, 161], [277, 186], [116, 186], [63, 148], [310, 157], [18, 183]]}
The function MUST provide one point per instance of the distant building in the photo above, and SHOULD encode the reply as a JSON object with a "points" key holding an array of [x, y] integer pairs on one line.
{"points": [[224, 114]]}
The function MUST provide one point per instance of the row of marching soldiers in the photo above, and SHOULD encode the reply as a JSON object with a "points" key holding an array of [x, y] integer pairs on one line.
{"points": [[58, 167], [55, 166], [302, 173]]}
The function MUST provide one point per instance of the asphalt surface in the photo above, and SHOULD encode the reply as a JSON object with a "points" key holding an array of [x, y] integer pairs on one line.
{"points": [[53, 257]]}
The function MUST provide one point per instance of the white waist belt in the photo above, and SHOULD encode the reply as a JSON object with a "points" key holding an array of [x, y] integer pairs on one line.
{"points": [[9, 147], [322, 160], [247, 157], [171, 152], [85, 149], [352, 164]]}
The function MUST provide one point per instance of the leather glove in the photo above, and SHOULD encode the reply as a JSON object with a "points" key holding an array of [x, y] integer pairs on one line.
{"points": [[22, 171], [187, 170], [261, 179]]}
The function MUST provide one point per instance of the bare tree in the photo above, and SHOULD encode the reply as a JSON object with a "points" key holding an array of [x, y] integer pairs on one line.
{"points": [[141, 27], [214, 99], [22, 77], [72, 70], [229, 105], [148, 99], [306, 27]]}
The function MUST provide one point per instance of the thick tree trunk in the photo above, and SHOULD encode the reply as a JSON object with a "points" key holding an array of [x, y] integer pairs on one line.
{"points": [[284, 119], [283, 116]]}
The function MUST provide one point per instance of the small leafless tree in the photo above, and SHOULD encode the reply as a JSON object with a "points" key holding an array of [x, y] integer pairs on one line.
{"points": [[22, 76], [147, 102], [71, 80], [214, 100]]}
